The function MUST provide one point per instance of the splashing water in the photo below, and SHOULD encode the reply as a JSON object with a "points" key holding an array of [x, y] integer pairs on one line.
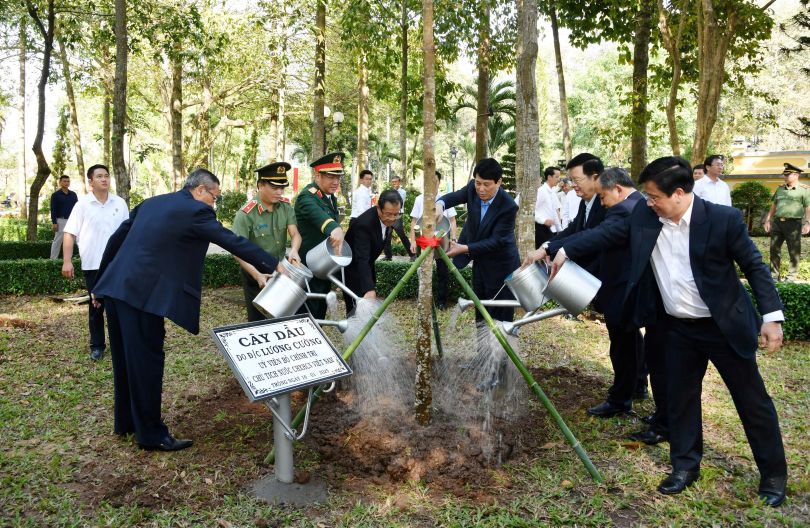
{"points": [[381, 379]]}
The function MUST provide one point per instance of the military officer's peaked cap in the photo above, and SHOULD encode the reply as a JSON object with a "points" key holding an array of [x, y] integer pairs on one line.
{"points": [[275, 174], [329, 164], [789, 168]]}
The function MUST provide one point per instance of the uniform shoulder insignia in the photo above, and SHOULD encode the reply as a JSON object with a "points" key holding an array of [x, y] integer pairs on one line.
{"points": [[313, 190], [249, 206], [804, 186], [285, 199]]}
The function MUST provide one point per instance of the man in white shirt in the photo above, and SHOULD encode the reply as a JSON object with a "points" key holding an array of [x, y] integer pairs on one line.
{"points": [[361, 197], [442, 273], [547, 207], [711, 187], [569, 207], [95, 217], [399, 229]]}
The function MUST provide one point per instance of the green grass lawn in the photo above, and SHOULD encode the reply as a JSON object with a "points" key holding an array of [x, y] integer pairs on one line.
{"points": [[764, 246], [60, 464]]}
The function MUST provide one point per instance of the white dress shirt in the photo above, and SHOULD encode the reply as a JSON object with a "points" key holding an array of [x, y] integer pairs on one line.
{"points": [[361, 200], [92, 223], [588, 206], [418, 207], [569, 208], [673, 272], [402, 195], [546, 207], [713, 191]]}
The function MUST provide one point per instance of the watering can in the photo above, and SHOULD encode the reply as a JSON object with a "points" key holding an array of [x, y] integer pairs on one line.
{"points": [[528, 286], [281, 296], [441, 230], [323, 262], [573, 287]]}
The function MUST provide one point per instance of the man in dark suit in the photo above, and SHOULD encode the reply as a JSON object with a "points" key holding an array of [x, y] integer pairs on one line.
{"points": [[367, 237], [683, 252], [152, 268], [488, 237]]}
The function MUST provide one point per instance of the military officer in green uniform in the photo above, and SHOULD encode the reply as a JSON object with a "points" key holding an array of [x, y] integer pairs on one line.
{"points": [[268, 221], [318, 218], [788, 219]]}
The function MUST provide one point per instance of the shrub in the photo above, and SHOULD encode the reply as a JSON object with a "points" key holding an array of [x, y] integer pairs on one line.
{"points": [[230, 202], [389, 274], [25, 250], [37, 277], [751, 198], [221, 270], [14, 229], [796, 299]]}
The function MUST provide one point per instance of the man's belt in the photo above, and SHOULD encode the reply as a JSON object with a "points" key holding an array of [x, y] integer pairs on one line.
{"points": [[785, 219]]}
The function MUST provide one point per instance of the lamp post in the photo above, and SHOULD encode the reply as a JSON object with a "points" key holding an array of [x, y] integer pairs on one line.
{"points": [[453, 154]]}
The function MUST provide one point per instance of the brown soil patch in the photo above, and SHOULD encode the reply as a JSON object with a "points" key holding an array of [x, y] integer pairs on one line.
{"points": [[352, 452], [7, 321]]}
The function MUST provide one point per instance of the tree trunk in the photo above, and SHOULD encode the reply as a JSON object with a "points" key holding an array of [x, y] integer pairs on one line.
{"points": [[106, 105], [403, 97], [566, 129], [120, 101], [176, 119], [362, 115], [672, 45], [318, 126], [713, 42], [201, 159], [21, 168], [43, 170], [74, 116], [424, 395], [641, 59], [282, 95], [273, 133], [482, 118], [527, 130]]}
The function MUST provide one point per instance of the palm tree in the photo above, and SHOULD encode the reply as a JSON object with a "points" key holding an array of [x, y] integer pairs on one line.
{"points": [[501, 134], [501, 99]]}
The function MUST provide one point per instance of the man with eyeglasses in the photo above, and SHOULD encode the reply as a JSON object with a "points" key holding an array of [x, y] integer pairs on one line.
{"points": [[366, 237], [152, 269]]}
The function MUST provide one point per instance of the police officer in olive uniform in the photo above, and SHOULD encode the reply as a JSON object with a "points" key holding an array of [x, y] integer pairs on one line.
{"points": [[267, 221], [788, 219], [318, 218]]}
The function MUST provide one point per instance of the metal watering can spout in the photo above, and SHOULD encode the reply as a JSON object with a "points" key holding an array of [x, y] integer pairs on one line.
{"points": [[341, 325], [463, 304]]}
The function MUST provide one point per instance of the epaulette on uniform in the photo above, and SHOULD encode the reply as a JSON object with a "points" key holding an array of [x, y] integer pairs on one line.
{"points": [[285, 199], [249, 206], [313, 190]]}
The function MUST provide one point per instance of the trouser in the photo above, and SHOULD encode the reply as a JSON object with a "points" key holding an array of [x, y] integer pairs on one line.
{"points": [[56, 245], [626, 355], [251, 289], [655, 359], [136, 344], [399, 229], [690, 345], [542, 233], [786, 230], [486, 291], [441, 285], [95, 316]]}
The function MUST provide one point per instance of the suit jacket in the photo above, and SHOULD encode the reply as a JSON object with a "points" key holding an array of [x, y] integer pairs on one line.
{"points": [[718, 238], [491, 242], [367, 242], [596, 216], [611, 263], [154, 261]]}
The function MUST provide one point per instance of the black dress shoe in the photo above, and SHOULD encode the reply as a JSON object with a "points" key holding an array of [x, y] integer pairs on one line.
{"points": [[607, 409], [642, 394], [169, 443], [96, 353], [650, 418], [648, 436], [677, 481], [772, 490]]}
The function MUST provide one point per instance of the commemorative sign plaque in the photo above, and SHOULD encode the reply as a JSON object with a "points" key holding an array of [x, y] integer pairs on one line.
{"points": [[278, 356]]}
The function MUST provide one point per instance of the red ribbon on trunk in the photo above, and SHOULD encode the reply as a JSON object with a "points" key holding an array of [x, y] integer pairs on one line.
{"points": [[426, 242]]}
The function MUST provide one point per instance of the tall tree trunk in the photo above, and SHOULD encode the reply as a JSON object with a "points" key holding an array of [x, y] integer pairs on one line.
{"points": [[362, 115], [106, 114], [281, 131], [273, 132], [403, 96], [527, 130], [21, 168], [120, 101], [204, 148], [641, 60], [482, 119], [74, 115], [43, 170], [318, 126], [424, 395], [566, 129], [672, 44], [176, 119]]}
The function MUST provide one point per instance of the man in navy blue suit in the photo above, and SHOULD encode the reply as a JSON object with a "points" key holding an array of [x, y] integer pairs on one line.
{"points": [[488, 237], [683, 252], [152, 268]]}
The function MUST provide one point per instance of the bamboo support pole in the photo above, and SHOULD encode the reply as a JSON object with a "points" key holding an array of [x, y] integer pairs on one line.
{"points": [[533, 385], [270, 458]]}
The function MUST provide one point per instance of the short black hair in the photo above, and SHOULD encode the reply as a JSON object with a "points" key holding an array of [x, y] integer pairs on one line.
{"points": [[201, 177], [669, 173], [364, 172], [389, 196], [549, 171], [94, 167], [613, 176], [395, 177], [699, 167], [591, 165], [708, 161], [62, 177], [488, 169]]}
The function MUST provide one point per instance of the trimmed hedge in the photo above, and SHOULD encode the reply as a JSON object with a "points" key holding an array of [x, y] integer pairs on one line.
{"points": [[25, 250], [13, 230], [43, 277]]}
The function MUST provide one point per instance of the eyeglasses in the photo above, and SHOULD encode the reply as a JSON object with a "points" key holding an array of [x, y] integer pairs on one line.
{"points": [[393, 216]]}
